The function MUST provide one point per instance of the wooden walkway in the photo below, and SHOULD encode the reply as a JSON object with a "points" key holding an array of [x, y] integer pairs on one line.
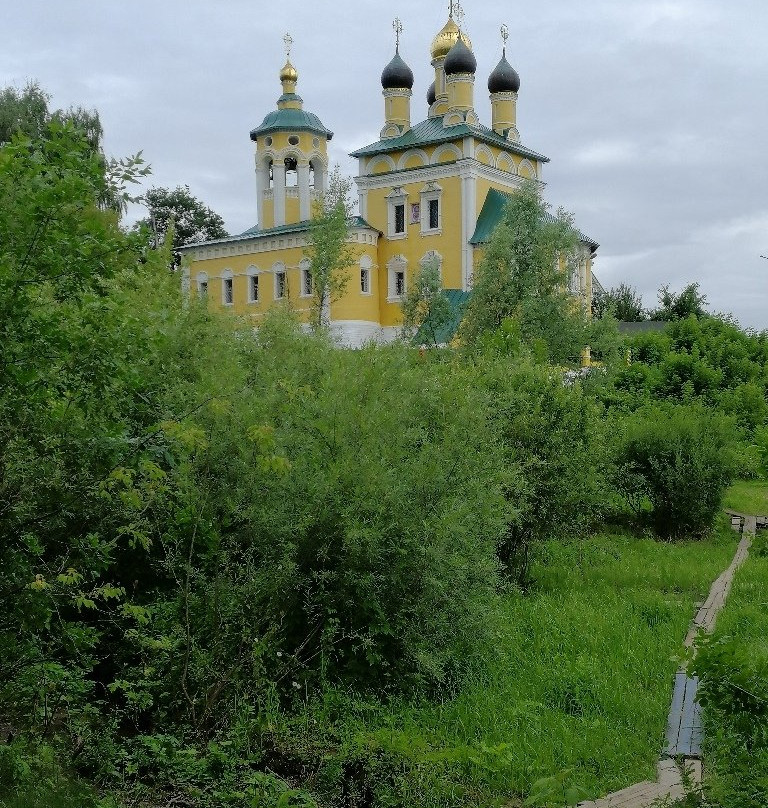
{"points": [[684, 729]]}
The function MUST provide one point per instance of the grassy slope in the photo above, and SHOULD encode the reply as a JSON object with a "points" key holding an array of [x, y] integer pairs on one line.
{"points": [[748, 496], [580, 676], [728, 767]]}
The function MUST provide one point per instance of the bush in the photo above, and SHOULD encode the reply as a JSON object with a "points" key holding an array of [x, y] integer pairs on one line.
{"points": [[680, 459], [550, 437]]}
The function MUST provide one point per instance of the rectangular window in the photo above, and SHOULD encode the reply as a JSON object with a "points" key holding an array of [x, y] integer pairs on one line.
{"points": [[434, 214], [202, 289], [365, 281], [399, 284], [228, 292], [399, 218], [253, 289], [306, 282], [279, 285]]}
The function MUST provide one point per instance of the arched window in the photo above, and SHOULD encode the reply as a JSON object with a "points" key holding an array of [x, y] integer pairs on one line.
{"points": [[291, 172], [227, 287]]}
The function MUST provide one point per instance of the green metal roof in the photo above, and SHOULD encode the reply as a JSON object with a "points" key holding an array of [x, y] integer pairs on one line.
{"points": [[493, 212], [257, 232], [432, 131], [295, 120], [444, 333]]}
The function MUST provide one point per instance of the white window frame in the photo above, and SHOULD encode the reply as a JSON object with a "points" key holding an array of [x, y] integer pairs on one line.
{"points": [[395, 266], [395, 197], [202, 285], [253, 275], [227, 283], [366, 265], [307, 287], [280, 273], [431, 192]]}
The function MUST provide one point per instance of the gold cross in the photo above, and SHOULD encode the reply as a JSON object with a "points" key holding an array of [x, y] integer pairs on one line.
{"points": [[288, 39], [459, 14], [398, 26]]}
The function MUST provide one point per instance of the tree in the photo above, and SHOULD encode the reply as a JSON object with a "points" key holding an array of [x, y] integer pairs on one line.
{"points": [[192, 221], [329, 252], [425, 307], [523, 277], [679, 306], [623, 302], [26, 113]]}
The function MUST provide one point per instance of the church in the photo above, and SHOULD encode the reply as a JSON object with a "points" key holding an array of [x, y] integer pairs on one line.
{"points": [[429, 192]]}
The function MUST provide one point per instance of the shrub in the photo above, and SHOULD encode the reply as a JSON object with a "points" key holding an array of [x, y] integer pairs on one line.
{"points": [[679, 458], [550, 437]]}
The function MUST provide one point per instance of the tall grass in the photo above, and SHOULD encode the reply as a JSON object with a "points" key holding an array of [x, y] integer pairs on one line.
{"points": [[579, 675]]}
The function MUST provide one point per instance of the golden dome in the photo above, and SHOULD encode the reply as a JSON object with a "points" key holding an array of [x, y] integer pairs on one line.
{"points": [[446, 39], [288, 73]]}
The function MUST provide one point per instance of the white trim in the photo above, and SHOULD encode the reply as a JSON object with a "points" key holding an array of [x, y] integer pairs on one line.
{"points": [[227, 283], [410, 153], [305, 275], [251, 273], [445, 147], [380, 158], [431, 192], [395, 198], [396, 265], [278, 268], [438, 172]]}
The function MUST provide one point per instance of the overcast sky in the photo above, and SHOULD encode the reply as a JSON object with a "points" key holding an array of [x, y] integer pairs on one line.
{"points": [[654, 112]]}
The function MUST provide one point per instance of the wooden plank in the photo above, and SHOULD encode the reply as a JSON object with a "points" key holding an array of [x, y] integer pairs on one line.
{"points": [[675, 714], [687, 718]]}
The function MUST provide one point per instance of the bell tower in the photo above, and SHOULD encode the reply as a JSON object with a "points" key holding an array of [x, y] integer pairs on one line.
{"points": [[291, 156]]}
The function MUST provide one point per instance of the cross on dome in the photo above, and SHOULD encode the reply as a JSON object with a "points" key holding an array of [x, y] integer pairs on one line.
{"points": [[397, 25], [288, 40]]}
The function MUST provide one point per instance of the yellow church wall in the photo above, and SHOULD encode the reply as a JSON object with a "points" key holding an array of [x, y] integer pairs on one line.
{"points": [[352, 305], [415, 245], [267, 215], [291, 209]]}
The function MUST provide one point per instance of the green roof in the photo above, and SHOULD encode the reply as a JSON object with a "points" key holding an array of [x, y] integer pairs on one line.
{"points": [[432, 131], [295, 120], [444, 333], [257, 232], [493, 212]]}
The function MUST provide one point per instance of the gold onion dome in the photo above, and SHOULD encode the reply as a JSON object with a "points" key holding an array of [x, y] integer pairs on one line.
{"points": [[446, 39], [288, 73]]}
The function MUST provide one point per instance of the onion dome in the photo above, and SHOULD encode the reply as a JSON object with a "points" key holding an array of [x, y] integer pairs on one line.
{"points": [[431, 94], [460, 59], [397, 74], [504, 78], [446, 38], [288, 73]]}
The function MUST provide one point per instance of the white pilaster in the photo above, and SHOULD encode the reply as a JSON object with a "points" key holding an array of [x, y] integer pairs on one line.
{"points": [[305, 209], [278, 172]]}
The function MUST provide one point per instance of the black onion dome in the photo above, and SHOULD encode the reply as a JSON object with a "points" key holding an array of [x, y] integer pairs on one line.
{"points": [[431, 94], [504, 78], [460, 59], [397, 75]]}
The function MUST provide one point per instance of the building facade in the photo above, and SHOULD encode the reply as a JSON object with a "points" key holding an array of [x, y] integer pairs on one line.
{"points": [[430, 192]]}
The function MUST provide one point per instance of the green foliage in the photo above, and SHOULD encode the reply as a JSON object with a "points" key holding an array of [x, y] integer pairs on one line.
{"points": [[523, 276], [181, 213], [623, 302], [550, 435], [688, 302], [425, 307], [679, 459], [329, 252], [733, 666]]}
